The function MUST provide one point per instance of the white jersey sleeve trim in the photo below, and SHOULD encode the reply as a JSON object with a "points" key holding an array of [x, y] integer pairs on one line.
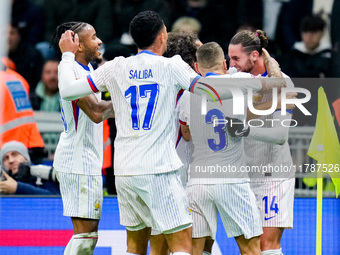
{"points": [[70, 88]]}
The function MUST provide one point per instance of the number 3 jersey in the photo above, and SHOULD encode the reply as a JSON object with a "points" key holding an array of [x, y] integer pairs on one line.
{"points": [[217, 157], [143, 89]]}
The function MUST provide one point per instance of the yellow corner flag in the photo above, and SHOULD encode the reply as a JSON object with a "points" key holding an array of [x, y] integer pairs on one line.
{"points": [[324, 147]]}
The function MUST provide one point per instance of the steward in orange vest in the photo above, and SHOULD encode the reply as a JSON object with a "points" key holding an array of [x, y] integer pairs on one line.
{"points": [[16, 115]]}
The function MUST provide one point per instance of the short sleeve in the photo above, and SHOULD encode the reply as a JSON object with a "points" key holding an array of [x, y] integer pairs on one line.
{"points": [[184, 108], [182, 72]]}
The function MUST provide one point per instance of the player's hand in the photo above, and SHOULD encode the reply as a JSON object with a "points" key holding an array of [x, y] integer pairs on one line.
{"points": [[237, 128], [9, 186], [69, 41], [266, 54]]}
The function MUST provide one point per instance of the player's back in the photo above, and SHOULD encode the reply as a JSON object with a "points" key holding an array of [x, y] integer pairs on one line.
{"points": [[213, 147], [144, 89]]}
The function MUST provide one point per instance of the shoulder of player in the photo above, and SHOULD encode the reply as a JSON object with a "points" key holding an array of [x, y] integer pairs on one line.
{"points": [[239, 75], [288, 80], [175, 59]]}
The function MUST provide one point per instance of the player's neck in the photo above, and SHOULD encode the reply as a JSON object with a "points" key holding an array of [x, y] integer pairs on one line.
{"points": [[259, 67], [81, 60], [154, 49]]}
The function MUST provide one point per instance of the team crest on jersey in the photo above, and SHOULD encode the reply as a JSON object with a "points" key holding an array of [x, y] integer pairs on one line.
{"points": [[96, 205], [257, 97]]}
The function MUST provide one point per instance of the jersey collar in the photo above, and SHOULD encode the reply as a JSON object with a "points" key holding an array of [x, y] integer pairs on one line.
{"points": [[264, 74], [147, 52], [85, 67], [211, 74]]}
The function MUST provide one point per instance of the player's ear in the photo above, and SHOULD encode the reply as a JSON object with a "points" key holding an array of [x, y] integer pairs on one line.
{"points": [[254, 55], [162, 37], [80, 47], [225, 66], [196, 67]]}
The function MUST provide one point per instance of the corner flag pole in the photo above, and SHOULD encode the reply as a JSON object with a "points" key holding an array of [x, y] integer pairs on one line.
{"points": [[319, 189]]}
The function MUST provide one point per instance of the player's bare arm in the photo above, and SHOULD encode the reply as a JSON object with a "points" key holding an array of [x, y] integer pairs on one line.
{"points": [[274, 71], [185, 132], [272, 66], [96, 111]]}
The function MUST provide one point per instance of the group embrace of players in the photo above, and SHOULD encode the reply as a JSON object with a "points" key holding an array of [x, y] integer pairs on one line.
{"points": [[157, 201]]}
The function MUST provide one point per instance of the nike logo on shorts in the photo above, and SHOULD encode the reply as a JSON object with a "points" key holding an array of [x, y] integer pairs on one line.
{"points": [[241, 133], [265, 218]]}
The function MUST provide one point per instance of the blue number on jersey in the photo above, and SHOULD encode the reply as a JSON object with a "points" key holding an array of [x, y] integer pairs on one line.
{"points": [[218, 129], [144, 90], [273, 205]]}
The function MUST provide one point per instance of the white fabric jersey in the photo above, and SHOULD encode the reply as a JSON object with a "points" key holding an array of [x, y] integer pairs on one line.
{"points": [[80, 147], [144, 89], [214, 149], [263, 154], [183, 148]]}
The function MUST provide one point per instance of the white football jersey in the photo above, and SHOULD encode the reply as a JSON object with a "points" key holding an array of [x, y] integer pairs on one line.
{"points": [[263, 154], [143, 90], [183, 148], [217, 157], [80, 147]]}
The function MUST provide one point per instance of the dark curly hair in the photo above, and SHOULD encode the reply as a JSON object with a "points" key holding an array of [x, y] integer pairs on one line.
{"points": [[75, 26], [145, 27], [182, 43]]}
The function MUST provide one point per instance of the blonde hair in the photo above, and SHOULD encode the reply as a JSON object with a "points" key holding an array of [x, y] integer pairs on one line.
{"points": [[209, 55], [187, 23]]}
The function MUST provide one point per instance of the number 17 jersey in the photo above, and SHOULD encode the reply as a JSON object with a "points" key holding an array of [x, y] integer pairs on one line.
{"points": [[143, 89]]}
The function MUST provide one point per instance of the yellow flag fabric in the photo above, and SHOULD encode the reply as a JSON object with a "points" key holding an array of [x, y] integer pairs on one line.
{"points": [[324, 147]]}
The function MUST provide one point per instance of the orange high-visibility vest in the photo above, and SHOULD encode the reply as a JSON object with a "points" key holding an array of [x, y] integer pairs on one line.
{"points": [[107, 156], [16, 115]]}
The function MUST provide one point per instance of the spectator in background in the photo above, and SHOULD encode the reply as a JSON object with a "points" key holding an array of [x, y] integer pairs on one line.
{"points": [[99, 13], [30, 20], [17, 179], [310, 57], [27, 59], [127, 9], [16, 115], [187, 24], [113, 50], [335, 38], [46, 96], [220, 19], [47, 92], [291, 15]]}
